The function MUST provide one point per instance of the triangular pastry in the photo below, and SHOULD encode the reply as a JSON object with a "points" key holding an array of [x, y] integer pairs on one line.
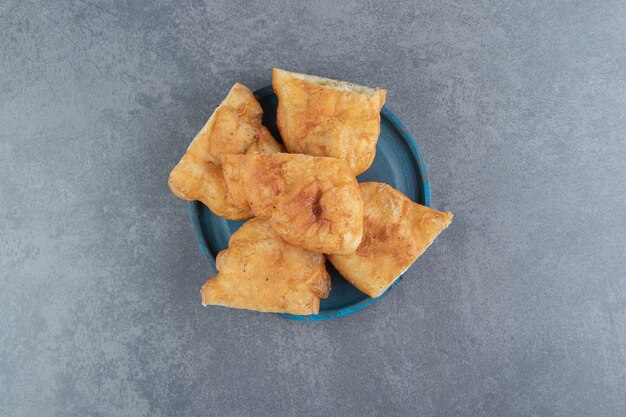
{"points": [[324, 117], [309, 201], [260, 271], [233, 128], [396, 232]]}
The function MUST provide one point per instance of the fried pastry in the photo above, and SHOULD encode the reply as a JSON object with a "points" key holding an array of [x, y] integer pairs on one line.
{"points": [[260, 271], [324, 117], [396, 232], [235, 127], [311, 202]]}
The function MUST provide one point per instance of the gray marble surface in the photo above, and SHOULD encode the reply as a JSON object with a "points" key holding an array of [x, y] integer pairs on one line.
{"points": [[519, 309]]}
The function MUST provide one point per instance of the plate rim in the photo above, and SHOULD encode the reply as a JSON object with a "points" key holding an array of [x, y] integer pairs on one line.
{"points": [[195, 206]]}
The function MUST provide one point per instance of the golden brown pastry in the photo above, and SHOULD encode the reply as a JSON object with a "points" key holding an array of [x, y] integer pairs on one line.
{"points": [[234, 127], [309, 201], [324, 117], [396, 232], [260, 271]]}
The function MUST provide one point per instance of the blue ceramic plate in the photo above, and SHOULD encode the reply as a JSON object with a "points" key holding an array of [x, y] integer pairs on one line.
{"points": [[398, 163]]}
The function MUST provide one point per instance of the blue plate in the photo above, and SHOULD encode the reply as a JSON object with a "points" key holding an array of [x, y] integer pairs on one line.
{"points": [[398, 163]]}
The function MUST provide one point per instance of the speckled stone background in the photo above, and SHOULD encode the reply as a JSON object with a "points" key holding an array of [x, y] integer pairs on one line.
{"points": [[519, 309]]}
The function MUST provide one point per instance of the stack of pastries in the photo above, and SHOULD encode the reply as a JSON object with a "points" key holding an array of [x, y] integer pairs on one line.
{"points": [[303, 199]]}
